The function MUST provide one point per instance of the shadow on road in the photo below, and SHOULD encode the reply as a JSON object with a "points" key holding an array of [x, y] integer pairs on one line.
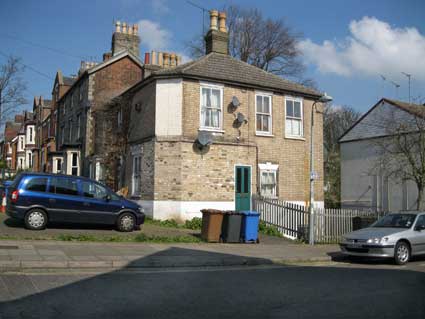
{"points": [[241, 292]]}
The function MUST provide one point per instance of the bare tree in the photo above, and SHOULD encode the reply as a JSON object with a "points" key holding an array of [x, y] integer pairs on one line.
{"points": [[335, 122], [268, 44], [401, 149], [12, 87]]}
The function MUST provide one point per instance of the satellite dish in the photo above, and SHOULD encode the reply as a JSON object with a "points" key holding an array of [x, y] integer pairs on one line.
{"points": [[204, 138], [235, 102], [240, 117]]}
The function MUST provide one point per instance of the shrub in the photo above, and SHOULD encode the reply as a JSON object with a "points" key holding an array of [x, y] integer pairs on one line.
{"points": [[195, 223], [269, 230]]}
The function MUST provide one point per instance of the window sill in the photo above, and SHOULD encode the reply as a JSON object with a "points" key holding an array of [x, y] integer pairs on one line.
{"points": [[212, 130], [299, 138], [264, 134]]}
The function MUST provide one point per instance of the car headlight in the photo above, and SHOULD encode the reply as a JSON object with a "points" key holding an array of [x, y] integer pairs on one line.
{"points": [[377, 240], [141, 210]]}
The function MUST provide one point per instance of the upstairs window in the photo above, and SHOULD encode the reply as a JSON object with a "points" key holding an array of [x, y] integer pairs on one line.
{"points": [[211, 107], [263, 109], [294, 117], [74, 164]]}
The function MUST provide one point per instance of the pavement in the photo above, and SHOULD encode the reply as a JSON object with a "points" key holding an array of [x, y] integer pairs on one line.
{"points": [[21, 255]]}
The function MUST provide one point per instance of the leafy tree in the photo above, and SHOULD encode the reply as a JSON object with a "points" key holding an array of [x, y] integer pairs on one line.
{"points": [[336, 120]]}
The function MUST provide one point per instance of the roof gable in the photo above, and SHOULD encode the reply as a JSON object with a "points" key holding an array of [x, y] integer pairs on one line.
{"points": [[374, 123]]}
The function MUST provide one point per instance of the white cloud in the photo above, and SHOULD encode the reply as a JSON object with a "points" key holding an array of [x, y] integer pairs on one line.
{"points": [[373, 47], [160, 6], [154, 37]]}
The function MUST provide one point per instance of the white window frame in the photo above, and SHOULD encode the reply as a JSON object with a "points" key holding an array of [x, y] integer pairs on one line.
{"points": [[269, 168], [204, 85], [77, 166], [301, 101], [270, 96]]}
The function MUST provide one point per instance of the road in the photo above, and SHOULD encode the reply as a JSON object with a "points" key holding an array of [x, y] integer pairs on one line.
{"points": [[329, 291]]}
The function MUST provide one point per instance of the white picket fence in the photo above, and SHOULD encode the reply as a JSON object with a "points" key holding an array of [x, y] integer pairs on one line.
{"points": [[292, 220]]}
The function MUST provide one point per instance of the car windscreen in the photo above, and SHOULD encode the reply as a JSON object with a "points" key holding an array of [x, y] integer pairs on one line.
{"points": [[396, 221]]}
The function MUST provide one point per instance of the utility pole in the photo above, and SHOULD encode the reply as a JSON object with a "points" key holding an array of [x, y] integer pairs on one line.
{"points": [[408, 77]]}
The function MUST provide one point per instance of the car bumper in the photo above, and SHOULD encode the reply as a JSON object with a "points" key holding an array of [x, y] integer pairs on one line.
{"points": [[140, 219], [367, 250], [15, 212]]}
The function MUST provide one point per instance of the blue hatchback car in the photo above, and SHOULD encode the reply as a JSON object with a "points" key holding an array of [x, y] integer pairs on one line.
{"points": [[39, 198]]}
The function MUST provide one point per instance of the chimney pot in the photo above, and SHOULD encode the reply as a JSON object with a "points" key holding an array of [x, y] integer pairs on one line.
{"points": [[147, 58], [153, 57], [213, 19], [179, 60], [166, 56], [173, 59], [129, 30], [135, 29], [124, 27], [160, 59], [118, 26], [222, 22]]}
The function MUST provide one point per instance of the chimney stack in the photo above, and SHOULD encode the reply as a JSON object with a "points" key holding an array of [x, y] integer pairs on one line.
{"points": [[125, 38], [147, 58], [217, 37]]}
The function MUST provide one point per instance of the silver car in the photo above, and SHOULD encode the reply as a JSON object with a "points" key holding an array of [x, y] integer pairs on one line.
{"points": [[396, 235]]}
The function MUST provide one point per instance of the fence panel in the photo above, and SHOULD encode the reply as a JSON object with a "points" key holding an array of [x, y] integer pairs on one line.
{"points": [[292, 220]]}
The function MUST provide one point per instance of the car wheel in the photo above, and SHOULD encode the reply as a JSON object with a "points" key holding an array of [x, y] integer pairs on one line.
{"points": [[36, 219], [401, 253], [126, 222]]}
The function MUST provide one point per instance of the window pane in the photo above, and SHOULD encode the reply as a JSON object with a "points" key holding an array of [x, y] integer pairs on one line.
{"points": [[204, 97], [208, 97], [296, 124], [289, 108], [266, 104], [215, 118], [93, 190], [215, 98], [238, 180], [246, 180], [297, 109], [37, 184], [288, 127], [259, 122], [64, 186], [266, 119], [74, 159], [259, 104]]}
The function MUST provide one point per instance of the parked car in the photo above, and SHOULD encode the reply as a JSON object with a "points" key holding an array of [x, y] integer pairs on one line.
{"points": [[396, 235], [39, 198]]}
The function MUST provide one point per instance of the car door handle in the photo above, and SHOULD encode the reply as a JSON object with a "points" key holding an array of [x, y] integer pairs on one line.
{"points": [[52, 200]]}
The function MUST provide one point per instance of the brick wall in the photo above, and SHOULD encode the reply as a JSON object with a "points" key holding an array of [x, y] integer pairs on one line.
{"points": [[292, 155]]}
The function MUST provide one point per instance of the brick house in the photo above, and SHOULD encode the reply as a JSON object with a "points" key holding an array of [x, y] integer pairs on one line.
{"points": [[11, 130], [214, 131], [79, 126]]}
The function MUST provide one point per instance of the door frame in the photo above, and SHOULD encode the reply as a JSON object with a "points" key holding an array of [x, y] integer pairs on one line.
{"points": [[250, 185]]}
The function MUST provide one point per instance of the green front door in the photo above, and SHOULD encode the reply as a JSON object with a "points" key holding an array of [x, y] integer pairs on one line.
{"points": [[243, 187]]}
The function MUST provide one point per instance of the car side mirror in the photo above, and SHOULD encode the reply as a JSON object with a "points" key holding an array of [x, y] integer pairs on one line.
{"points": [[420, 227]]}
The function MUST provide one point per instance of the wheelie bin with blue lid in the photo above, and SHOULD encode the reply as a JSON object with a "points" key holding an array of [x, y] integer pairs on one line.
{"points": [[250, 223]]}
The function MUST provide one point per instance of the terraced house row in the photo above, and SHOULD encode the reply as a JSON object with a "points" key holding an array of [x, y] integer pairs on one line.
{"points": [[181, 137]]}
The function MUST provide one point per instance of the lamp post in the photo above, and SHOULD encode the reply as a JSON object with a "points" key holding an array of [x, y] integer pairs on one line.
{"points": [[323, 99]]}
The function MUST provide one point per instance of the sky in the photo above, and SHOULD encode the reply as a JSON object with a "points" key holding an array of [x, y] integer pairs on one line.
{"points": [[346, 45]]}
